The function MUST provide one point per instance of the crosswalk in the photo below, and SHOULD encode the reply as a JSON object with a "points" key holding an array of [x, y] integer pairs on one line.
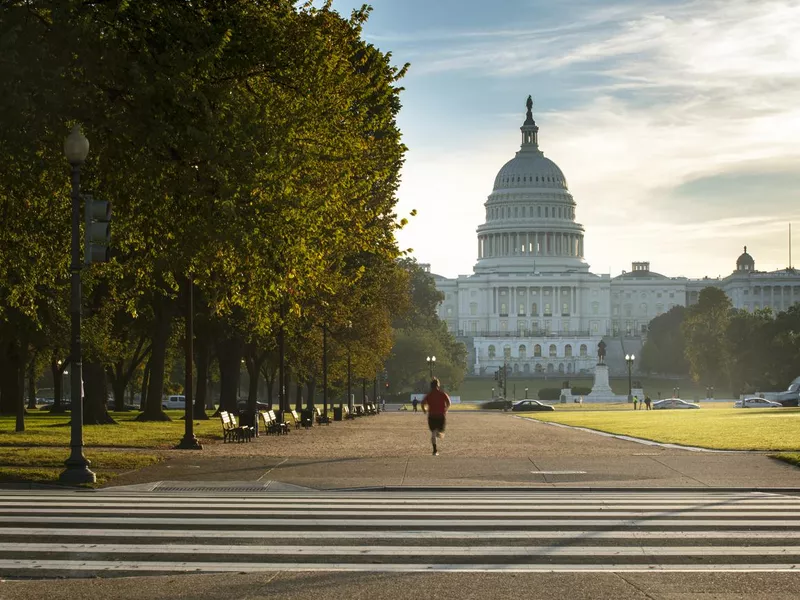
{"points": [[82, 533]]}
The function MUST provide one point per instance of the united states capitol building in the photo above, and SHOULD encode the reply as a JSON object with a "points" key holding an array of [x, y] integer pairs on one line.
{"points": [[532, 302]]}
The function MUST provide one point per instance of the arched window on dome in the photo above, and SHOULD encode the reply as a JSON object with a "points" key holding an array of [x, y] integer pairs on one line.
{"points": [[539, 211], [537, 178], [523, 351], [491, 352], [546, 211], [568, 351], [553, 351], [584, 350], [537, 351]]}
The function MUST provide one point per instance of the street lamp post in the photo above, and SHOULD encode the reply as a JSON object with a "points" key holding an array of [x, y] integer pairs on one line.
{"points": [[349, 369], [431, 364], [76, 149], [629, 358], [492, 393], [325, 371], [189, 441], [239, 395]]}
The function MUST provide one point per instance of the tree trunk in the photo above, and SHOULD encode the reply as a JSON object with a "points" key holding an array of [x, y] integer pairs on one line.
{"points": [[95, 395], [269, 371], [202, 354], [145, 383], [32, 382], [155, 389], [254, 360], [57, 371], [9, 379], [22, 356], [298, 399], [311, 384], [229, 352], [118, 384]]}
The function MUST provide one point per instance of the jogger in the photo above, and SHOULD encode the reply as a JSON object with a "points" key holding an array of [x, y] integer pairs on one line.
{"points": [[435, 404]]}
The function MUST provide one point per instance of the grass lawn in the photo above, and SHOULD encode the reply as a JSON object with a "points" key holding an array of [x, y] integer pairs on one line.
{"points": [[44, 465], [715, 426], [38, 453], [475, 389], [44, 429]]}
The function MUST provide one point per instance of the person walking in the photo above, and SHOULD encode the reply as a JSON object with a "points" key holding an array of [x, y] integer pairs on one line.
{"points": [[435, 405], [635, 403], [647, 402], [414, 404]]}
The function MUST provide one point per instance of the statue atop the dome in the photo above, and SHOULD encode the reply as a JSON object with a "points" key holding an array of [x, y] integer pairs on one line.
{"points": [[529, 105]]}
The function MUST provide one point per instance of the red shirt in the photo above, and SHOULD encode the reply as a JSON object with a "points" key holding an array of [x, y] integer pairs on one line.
{"points": [[437, 402]]}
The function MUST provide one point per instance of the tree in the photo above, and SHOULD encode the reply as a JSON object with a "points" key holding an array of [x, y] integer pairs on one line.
{"points": [[704, 329], [665, 348]]}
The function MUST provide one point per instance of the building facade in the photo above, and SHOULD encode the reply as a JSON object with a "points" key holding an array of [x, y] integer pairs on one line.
{"points": [[532, 303]]}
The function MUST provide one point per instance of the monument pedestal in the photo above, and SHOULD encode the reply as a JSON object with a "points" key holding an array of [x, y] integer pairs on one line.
{"points": [[601, 390]]}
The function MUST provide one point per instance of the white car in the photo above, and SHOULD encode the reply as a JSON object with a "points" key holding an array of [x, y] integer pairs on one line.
{"points": [[173, 402], [674, 403], [756, 402]]}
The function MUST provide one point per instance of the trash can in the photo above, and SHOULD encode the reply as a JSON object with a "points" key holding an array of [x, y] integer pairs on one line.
{"points": [[307, 417], [338, 413], [247, 418]]}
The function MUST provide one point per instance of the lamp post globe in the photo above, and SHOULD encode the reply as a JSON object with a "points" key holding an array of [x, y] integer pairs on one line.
{"points": [[76, 146], [431, 363]]}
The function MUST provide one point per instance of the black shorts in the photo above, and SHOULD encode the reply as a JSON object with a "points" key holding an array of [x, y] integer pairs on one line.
{"points": [[436, 422]]}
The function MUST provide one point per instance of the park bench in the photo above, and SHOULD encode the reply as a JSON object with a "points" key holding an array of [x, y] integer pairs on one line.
{"points": [[232, 431], [322, 418], [346, 412], [281, 427], [371, 409], [360, 410], [297, 420], [271, 424]]}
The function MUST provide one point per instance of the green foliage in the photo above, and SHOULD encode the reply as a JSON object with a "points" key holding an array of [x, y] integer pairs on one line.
{"points": [[665, 349], [419, 333], [549, 394], [704, 329]]}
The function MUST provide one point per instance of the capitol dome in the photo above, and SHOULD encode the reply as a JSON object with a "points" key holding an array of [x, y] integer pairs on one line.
{"points": [[530, 222], [530, 169]]}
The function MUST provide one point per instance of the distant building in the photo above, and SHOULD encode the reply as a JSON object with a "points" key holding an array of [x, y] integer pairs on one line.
{"points": [[531, 302]]}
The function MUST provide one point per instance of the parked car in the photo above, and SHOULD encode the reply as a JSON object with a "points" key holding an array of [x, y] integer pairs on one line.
{"points": [[530, 405], [791, 396], [173, 402], [756, 402], [673, 403]]}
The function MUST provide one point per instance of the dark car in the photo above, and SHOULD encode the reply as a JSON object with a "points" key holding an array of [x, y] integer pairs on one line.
{"points": [[530, 405]]}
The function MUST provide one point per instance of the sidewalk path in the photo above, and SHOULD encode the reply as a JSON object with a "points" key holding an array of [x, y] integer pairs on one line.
{"points": [[480, 449]]}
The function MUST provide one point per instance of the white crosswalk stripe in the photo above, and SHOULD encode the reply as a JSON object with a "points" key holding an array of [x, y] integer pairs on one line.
{"points": [[80, 534]]}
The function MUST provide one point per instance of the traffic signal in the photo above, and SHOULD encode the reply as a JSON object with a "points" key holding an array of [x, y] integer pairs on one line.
{"points": [[97, 215]]}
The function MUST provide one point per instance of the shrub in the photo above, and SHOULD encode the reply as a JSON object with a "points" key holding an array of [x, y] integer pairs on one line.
{"points": [[580, 390], [550, 394]]}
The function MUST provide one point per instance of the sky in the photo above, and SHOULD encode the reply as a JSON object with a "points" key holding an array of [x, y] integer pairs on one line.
{"points": [[676, 123]]}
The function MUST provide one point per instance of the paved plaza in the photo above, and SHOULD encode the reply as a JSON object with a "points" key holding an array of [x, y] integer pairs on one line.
{"points": [[480, 449]]}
